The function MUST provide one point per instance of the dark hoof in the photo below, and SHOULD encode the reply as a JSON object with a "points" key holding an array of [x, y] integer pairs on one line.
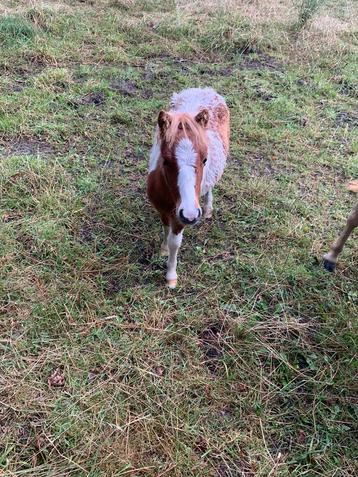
{"points": [[329, 266]]}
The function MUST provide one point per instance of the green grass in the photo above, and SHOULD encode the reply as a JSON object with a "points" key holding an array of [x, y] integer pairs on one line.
{"points": [[15, 28], [307, 9], [249, 367]]}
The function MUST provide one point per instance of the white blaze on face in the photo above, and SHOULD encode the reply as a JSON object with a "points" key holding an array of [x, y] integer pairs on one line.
{"points": [[186, 160]]}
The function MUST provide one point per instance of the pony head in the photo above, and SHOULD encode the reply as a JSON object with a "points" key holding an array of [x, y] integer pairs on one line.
{"points": [[184, 151]]}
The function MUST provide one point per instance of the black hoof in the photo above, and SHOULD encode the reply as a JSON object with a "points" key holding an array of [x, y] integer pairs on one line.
{"points": [[329, 266]]}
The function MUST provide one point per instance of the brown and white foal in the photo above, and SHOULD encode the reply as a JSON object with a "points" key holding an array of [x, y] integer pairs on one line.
{"points": [[330, 258], [188, 157]]}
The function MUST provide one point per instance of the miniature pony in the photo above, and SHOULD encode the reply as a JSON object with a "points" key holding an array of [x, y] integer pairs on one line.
{"points": [[187, 159]]}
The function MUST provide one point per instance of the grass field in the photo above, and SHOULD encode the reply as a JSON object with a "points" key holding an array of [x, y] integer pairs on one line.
{"points": [[248, 368]]}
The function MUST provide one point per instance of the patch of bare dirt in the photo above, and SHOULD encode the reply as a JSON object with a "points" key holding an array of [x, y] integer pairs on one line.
{"points": [[207, 70], [25, 147], [261, 166], [11, 216], [18, 86], [344, 118], [125, 87], [130, 88], [262, 60], [146, 94], [24, 70], [114, 283], [94, 98], [263, 94], [57, 379], [308, 184], [40, 60], [209, 341], [347, 88], [86, 233]]}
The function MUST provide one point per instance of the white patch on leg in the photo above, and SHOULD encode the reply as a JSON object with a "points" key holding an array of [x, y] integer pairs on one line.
{"points": [[186, 160], [174, 242]]}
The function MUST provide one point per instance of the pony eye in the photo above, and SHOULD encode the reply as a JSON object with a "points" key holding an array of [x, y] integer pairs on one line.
{"points": [[204, 161]]}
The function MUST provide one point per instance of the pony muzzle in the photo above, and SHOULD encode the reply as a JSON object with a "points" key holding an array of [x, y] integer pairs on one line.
{"points": [[189, 218]]}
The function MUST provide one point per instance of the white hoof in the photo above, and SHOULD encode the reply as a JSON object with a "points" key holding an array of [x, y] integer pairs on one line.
{"points": [[172, 283]]}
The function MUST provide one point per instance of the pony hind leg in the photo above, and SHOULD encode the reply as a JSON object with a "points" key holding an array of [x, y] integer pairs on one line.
{"points": [[164, 250], [330, 258], [208, 204]]}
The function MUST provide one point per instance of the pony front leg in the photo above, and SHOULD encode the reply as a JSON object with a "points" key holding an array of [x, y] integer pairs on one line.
{"points": [[208, 205], [330, 258], [164, 250], [174, 242]]}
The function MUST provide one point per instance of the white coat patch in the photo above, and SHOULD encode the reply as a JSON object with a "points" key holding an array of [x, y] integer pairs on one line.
{"points": [[185, 153], [193, 100], [186, 160]]}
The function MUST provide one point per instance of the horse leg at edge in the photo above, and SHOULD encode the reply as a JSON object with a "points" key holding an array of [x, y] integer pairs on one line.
{"points": [[174, 242], [330, 258]]}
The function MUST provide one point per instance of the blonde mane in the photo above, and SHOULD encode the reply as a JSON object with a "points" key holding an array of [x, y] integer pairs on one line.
{"points": [[185, 123]]}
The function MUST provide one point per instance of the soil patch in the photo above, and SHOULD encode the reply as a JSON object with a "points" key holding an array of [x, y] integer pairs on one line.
{"points": [[114, 283], [18, 86], [130, 88], [261, 61], [26, 147], [94, 98], [345, 118], [265, 95], [261, 166], [209, 341], [348, 89], [125, 87], [207, 70]]}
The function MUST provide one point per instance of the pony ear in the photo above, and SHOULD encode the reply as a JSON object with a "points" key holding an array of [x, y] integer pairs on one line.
{"points": [[164, 121], [202, 117]]}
